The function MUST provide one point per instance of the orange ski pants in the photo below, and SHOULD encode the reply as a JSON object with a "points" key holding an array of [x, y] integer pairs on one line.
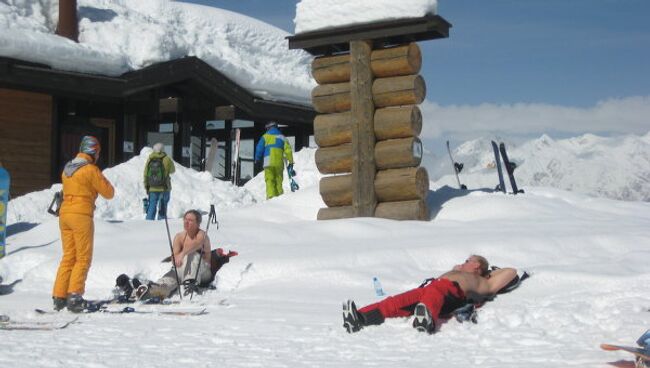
{"points": [[77, 233]]}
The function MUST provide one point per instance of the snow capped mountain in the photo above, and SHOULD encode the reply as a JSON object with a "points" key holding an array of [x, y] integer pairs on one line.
{"points": [[611, 167]]}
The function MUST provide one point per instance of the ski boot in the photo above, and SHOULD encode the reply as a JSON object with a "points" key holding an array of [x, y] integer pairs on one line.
{"points": [[351, 321], [75, 303], [423, 321], [58, 303]]}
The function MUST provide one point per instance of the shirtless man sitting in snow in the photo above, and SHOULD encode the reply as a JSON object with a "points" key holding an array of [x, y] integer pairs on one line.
{"points": [[467, 281], [186, 246], [187, 255]]}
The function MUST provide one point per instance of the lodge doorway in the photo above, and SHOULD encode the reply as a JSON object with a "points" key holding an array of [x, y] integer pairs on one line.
{"points": [[74, 128]]}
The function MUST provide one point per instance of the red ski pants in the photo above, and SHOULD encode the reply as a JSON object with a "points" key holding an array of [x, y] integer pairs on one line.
{"points": [[432, 295]]}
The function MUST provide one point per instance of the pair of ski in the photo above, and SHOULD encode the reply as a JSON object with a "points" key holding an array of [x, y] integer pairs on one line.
{"points": [[131, 310], [499, 154], [7, 324]]}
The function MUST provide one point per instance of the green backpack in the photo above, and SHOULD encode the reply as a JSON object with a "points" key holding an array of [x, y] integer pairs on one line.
{"points": [[156, 173]]}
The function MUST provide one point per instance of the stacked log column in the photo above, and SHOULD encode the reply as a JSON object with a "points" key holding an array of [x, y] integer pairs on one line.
{"points": [[385, 181]]}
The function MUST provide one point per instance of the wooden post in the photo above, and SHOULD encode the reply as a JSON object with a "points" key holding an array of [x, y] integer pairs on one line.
{"points": [[363, 132]]}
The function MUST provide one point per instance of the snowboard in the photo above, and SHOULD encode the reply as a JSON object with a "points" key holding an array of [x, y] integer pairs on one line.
{"points": [[291, 174], [510, 168], [4, 201], [458, 167], [497, 160], [642, 356]]}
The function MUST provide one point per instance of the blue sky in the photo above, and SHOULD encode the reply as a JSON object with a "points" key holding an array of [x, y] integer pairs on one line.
{"points": [[563, 52], [524, 67]]}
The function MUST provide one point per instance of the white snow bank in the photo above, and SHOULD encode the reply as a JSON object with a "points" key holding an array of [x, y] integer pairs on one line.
{"points": [[314, 15], [612, 167], [190, 189], [120, 36]]}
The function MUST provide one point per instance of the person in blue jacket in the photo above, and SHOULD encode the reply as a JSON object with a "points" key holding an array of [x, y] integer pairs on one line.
{"points": [[274, 148]]}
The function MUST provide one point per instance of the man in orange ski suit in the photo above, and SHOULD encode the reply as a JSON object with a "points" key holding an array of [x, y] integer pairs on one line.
{"points": [[82, 181]]}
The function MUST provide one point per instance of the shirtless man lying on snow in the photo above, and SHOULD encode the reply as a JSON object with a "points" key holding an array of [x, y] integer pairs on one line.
{"points": [[468, 281]]}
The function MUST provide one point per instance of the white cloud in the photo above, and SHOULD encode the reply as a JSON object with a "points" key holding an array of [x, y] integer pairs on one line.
{"points": [[612, 116]]}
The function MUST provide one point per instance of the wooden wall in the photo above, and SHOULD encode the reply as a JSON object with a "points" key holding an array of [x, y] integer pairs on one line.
{"points": [[25, 139]]}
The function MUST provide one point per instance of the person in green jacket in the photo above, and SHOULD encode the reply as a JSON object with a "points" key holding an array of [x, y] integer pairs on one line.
{"points": [[274, 148], [157, 181]]}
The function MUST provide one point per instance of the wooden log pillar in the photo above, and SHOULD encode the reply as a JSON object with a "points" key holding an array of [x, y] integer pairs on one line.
{"points": [[364, 199]]}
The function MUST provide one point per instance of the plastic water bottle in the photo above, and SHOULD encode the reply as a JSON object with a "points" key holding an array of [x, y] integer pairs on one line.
{"points": [[378, 290]]}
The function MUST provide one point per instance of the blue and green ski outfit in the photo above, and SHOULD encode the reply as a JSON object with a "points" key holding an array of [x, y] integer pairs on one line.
{"points": [[273, 148]]}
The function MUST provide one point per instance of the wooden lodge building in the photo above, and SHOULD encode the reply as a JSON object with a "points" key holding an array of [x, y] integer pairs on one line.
{"points": [[183, 103]]}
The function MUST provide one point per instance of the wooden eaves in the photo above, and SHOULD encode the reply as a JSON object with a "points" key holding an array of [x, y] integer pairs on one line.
{"points": [[42, 78], [384, 33]]}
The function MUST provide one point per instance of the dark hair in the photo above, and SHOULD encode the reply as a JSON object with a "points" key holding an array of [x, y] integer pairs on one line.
{"points": [[197, 215]]}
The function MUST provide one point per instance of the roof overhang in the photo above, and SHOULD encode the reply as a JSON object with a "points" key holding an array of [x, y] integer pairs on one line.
{"points": [[42, 78], [384, 33]]}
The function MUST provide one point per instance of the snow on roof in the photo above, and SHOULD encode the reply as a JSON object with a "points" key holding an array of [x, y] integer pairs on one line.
{"points": [[120, 36], [312, 15]]}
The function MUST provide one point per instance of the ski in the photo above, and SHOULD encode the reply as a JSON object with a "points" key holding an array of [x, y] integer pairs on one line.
{"points": [[10, 325], [497, 160], [458, 167], [131, 310], [235, 159], [510, 168]]}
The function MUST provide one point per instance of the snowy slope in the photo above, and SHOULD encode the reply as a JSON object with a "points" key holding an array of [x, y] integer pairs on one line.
{"points": [[278, 303], [613, 167], [120, 36]]}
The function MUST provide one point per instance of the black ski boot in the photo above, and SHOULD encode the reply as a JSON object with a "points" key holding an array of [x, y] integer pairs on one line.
{"points": [[423, 320], [75, 303], [351, 321], [58, 303]]}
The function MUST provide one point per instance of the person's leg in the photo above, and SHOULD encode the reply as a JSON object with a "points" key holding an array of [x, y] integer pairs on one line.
{"points": [[68, 259], [154, 197], [433, 296], [269, 178], [164, 200], [400, 305], [83, 229], [279, 176]]}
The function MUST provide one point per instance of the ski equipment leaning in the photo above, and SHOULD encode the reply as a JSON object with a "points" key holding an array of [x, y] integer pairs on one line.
{"points": [[510, 168], [458, 167], [497, 159]]}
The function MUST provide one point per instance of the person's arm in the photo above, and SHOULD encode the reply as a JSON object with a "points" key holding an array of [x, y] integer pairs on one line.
{"points": [[259, 149], [177, 248], [144, 175], [500, 278], [288, 152], [171, 168], [102, 185]]}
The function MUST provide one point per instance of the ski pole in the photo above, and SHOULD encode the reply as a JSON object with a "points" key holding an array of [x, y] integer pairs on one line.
{"points": [[198, 268], [171, 248]]}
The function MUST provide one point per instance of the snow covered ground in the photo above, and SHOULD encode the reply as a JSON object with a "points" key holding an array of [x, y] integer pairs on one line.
{"points": [[278, 304], [613, 167]]}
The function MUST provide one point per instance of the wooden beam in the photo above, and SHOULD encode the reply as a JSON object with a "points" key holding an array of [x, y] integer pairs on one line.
{"points": [[385, 33], [363, 132], [224, 112]]}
